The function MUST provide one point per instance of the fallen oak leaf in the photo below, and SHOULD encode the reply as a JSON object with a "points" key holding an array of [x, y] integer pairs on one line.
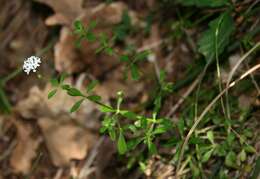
{"points": [[66, 11], [69, 58], [64, 135], [25, 150], [65, 140]]}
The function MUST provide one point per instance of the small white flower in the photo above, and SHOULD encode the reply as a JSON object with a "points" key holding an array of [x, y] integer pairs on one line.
{"points": [[31, 63], [151, 57]]}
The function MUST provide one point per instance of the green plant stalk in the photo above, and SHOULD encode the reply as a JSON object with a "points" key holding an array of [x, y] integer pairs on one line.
{"points": [[233, 71], [206, 111], [217, 63], [11, 76], [4, 103]]}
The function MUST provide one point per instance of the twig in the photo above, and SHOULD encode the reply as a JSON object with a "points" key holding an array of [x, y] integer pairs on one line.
{"points": [[151, 46], [8, 151], [231, 74], [186, 94], [58, 174], [86, 169], [253, 80]]}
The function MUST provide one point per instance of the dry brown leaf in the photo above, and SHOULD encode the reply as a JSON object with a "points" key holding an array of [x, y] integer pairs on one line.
{"points": [[65, 140], [245, 101], [25, 150], [65, 54], [57, 19], [156, 168], [67, 9], [109, 89], [71, 59], [38, 105], [233, 59], [108, 14]]}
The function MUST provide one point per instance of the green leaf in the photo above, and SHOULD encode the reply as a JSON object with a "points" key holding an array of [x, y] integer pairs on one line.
{"points": [[54, 82], [106, 109], [181, 125], [141, 55], [210, 136], [109, 51], [132, 128], [90, 36], [138, 123], [256, 171], [78, 26], [74, 92], [124, 58], [249, 149], [94, 98], [91, 86], [92, 25], [123, 28], [164, 126], [112, 134], [128, 114], [204, 3], [162, 76], [157, 103], [63, 77], [242, 155], [132, 144], [134, 72], [230, 139], [195, 170], [121, 144], [160, 130], [52, 93], [142, 166], [76, 106], [223, 27], [65, 87], [207, 155], [231, 159], [152, 148]]}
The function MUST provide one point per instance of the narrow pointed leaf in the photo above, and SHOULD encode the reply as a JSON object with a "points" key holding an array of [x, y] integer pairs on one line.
{"points": [[76, 106], [121, 144], [52, 93]]}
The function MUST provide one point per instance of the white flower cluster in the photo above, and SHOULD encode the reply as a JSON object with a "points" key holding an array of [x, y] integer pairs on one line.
{"points": [[31, 63], [151, 57]]}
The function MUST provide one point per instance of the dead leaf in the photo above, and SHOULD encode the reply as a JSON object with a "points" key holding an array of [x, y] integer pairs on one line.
{"points": [[65, 140], [67, 9], [71, 59], [109, 14], [233, 59], [109, 89], [245, 101], [25, 150], [57, 19], [65, 54], [38, 105], [156, 168]]}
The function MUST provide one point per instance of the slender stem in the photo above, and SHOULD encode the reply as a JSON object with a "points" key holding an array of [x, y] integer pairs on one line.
{"points": [[217, 63], [11, 76]]}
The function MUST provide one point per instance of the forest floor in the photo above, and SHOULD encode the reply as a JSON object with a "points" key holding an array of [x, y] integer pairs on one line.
{"points": [[174, 62]]}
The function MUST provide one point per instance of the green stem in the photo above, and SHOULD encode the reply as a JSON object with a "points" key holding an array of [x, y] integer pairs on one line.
{"points": [[4, 103], [11, 76]]}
